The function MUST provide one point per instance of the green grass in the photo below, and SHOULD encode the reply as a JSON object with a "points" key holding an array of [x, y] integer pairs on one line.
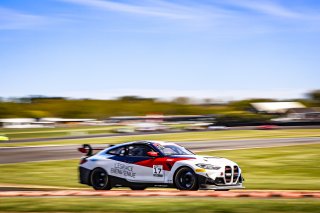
{"points": [[55, 132], [290, 167], [134, 204], [61, 173], [56, 129], [185, 136]]}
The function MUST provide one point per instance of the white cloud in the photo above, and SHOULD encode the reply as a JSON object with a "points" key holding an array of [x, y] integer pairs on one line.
{"points": [[227, 17], [11, 20], [271, 8], [223, 17], [149, 8]]}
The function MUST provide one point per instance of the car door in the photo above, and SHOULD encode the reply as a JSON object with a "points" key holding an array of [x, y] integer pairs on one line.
{"points": [[145, 168], [116, 163]]}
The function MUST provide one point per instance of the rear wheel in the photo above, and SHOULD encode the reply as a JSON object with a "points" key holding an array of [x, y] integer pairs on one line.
{"points": [[186, 179], [100, 179]]}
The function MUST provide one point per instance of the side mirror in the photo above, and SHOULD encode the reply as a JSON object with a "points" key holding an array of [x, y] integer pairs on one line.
{"points": [[153, 154]]}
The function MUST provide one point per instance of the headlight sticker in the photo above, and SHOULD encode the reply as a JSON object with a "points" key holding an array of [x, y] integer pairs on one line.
{"points": [[208, 166]]}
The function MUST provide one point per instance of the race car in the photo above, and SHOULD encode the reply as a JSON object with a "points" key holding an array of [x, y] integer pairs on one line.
{"points": [[142, 164]]}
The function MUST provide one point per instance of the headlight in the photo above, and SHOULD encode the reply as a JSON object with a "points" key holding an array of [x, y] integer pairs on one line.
{"points": [[208, 166]]}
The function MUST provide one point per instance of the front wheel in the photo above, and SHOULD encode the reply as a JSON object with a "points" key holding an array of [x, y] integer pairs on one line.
{"points": [[100, 179], [186, 179]]}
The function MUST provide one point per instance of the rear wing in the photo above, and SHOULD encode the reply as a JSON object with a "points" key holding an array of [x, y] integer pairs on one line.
{"points": [[88, 149]]}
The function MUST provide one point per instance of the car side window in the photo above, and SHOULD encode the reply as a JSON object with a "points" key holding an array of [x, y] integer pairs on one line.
{"points": [[117, 151], [138, 150]]}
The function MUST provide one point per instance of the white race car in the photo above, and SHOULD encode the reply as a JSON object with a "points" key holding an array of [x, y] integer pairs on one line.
{"points": [[143, 164]]}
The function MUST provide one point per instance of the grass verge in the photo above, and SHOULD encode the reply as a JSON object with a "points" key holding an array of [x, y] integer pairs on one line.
{"points": [[132, 204], [56, 132]]}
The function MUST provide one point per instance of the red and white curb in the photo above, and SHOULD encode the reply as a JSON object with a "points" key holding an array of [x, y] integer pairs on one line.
{"points": [[154, 193]]}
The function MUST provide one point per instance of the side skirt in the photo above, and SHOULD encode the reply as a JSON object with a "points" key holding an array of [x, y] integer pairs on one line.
{"points": [[121, 182], [84, 178]]}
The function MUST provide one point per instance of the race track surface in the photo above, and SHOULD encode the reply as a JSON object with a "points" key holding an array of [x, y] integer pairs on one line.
{"points": [[42, 153]]}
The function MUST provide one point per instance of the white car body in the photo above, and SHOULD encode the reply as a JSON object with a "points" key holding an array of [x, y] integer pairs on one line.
{"points": [[124, 167]]}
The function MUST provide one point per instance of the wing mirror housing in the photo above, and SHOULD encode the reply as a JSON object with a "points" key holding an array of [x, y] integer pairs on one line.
{"points": [[153, 154]]}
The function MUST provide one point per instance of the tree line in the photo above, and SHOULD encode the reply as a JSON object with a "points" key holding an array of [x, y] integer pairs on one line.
{"points": [[41, 106]]}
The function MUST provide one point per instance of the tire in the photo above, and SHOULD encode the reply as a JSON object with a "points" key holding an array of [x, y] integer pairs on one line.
{"points": [[138, 187], [186, 179], [100, 180]]}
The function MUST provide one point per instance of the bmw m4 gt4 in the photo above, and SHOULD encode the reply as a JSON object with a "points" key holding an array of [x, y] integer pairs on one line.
{"points": [[143, 164]]}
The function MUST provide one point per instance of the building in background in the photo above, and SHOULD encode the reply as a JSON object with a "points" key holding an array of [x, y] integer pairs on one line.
{"points": [[25, 123], [276, 107]]}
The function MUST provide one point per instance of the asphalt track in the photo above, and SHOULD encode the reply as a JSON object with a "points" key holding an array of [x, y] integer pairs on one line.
{"points": [[166, 193], [43, 153]]}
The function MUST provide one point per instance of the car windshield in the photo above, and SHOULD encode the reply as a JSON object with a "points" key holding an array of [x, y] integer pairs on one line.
{"points": [[172, 149]]}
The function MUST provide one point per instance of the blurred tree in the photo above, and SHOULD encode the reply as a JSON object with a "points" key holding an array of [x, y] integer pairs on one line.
{"points": [[134, 98], [314, 96], [182, 100], [38, 114], [245, 105], [208, 101], [127, 105], [40, 98], [238, 119]]}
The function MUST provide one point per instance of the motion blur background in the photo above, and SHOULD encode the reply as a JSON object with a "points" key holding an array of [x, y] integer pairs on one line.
{"points": [[112, 71]]}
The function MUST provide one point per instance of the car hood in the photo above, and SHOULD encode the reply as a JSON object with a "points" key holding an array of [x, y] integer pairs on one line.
{"points": [[215, 160], [194, 159]]}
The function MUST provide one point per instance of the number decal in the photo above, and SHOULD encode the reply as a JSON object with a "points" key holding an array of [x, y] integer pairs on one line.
{"points": [[157, 171]]}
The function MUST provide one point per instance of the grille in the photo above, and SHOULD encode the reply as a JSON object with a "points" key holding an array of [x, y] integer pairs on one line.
{"points": [[235, 173], [228, 174]]}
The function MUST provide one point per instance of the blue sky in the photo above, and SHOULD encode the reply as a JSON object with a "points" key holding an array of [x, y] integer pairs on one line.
{"points": [[223, 49]]}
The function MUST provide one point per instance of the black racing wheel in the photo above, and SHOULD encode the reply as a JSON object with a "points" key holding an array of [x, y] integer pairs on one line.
{"points": [[100, 179], [186, 179]]}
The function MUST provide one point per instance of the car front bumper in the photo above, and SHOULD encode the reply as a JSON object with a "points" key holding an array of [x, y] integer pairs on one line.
{"points": [[222, 188], [219, 184]]}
